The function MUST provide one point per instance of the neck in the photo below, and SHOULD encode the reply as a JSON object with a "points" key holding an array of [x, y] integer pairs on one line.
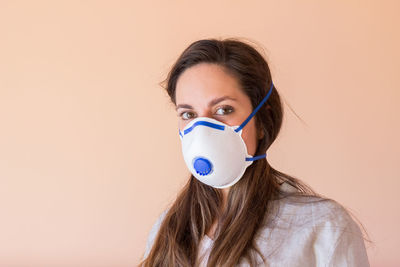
{"points": [[225, 192]]}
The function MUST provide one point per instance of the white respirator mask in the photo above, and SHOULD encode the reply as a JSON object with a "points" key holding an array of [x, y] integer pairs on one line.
{"points": [[214, 152]]}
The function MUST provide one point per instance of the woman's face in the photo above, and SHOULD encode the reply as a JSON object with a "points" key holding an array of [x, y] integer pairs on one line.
{"points": [[207, 90]]}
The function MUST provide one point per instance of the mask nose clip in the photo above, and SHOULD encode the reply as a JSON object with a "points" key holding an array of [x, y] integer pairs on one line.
{"points": [[202, 166]]}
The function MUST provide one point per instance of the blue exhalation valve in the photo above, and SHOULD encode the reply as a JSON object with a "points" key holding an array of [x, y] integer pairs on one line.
{"points": [[202, 166]]}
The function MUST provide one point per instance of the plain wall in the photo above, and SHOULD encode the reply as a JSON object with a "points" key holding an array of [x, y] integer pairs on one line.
{"points": [[89, 150]]}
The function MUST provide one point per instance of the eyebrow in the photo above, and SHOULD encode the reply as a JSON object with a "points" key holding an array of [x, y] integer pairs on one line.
{"points": [[212, 102]]}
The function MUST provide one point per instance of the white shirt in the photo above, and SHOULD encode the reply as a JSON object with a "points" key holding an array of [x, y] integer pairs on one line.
{"points": [[302, 234]]}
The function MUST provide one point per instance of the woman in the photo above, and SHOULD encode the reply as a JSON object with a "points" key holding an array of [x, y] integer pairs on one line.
{"points": [[236, 209]]}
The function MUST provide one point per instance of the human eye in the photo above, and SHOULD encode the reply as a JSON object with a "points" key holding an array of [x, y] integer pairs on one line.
{"points": [[187, 115], [224, 110]]}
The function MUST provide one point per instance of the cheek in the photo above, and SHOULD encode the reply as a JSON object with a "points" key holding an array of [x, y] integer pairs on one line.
{"points": [[182, 124], [249, 136]]}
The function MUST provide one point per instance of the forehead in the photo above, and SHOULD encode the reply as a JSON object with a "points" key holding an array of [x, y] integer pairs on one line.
{"points": [[204, 82]]}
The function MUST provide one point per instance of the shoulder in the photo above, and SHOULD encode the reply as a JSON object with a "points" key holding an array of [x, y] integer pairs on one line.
{"points": [[311, 229], [310, 211], [153, 232], [338, 240], [321, 215]]}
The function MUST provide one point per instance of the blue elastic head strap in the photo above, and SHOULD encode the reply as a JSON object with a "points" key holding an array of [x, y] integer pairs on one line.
{"points": [[256, 109]]}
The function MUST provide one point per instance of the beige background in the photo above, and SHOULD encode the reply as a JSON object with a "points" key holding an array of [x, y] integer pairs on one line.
{"points": [[89, 150]]}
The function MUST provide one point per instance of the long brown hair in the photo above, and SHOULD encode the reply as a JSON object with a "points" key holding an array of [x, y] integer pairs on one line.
{"points": [[197, 206]]}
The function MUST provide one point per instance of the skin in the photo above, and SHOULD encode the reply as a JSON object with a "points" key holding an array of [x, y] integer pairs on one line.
{"points": [[208, 90]]}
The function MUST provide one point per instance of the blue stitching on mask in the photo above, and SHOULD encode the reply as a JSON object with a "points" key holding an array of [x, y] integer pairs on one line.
{"points": [[204, 123]]}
